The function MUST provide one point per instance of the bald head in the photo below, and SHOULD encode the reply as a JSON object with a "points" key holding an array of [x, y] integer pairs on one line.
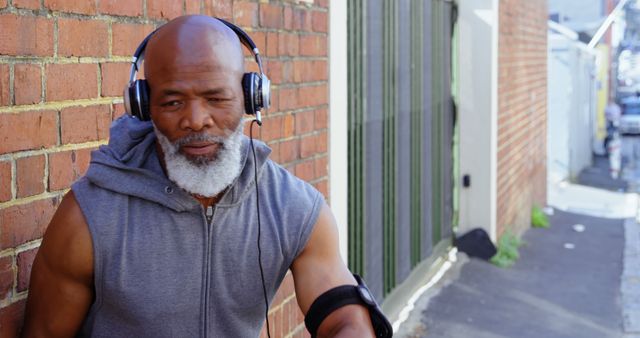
{"points": [[193, 43], [194, 67]]}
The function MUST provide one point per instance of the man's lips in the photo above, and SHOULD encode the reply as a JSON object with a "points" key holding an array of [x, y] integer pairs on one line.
{"points": [[200, 148]]}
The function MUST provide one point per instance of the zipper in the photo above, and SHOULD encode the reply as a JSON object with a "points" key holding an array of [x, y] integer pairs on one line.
{"points": [[208, 215]]}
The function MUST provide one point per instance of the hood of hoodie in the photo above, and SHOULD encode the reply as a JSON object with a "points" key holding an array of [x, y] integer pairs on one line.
{"points": [[130, 165]]}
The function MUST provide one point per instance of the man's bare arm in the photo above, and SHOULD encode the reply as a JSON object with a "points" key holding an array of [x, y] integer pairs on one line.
{"points": [[320, 268], [61, 287]]}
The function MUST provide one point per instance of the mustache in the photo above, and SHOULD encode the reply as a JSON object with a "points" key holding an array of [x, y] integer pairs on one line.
{"points": [[199, 137]]}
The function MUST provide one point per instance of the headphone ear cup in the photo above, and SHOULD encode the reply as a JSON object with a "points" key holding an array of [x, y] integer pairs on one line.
{"points": [[126, 95], [145, 112], [249, 89], [136, 100], [131, 104]]}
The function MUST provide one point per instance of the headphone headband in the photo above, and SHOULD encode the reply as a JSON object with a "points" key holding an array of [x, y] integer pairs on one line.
{"points": [[245, 39]]}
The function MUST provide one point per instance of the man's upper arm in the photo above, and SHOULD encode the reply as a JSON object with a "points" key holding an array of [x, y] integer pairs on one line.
{"points": [[61, 286], [320, 268]]}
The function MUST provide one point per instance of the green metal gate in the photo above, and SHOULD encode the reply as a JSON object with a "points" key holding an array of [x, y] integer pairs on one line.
{"points": [[400, 132]]}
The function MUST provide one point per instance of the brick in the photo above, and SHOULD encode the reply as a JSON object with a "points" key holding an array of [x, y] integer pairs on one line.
{"points": [[6, 276], [85, 124], [305, 170], [27, 83], [11, 319], [271, 129], [117, 110], [124, 8], [310, 71], [272, 319], [277, 327], [288, 126], [322, 166], [24, 262], [322, 142], [307, 146], [312, 95], [288, 18], [313, 45], [271, 16], [192, 7], [26, 222], [82, 37], [164, 9], [245, 14], [321, 119], [301, 20], [272, 44], [289, 313], [319, 21], [288, 98], [5, 182], [273, 69], [299, 317], [30, 4], [126, 37], [71, 81], [288, 44], [81, 7], [115, 77], [67, 166], [30, 175], [305, 122], [323, 3], [3, 3], [219, 8], [26, 35], [275, 100], [37, 129], [5, 98], [289, 151]]}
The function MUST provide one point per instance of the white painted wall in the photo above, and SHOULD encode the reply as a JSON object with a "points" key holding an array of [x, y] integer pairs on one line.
{"points": [[571, 108], [559, 92], [338, 137], [478, 111]]}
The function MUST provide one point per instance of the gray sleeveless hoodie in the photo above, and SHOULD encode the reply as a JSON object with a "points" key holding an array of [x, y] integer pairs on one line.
{"points": [[161, 270]]}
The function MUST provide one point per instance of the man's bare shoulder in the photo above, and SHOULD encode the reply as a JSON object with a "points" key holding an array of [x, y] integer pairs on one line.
{"points": [[61, 286], [67, 245]]}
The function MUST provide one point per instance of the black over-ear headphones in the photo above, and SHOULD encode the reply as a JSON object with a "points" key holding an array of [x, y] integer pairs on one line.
{"points": [[255, 87]]}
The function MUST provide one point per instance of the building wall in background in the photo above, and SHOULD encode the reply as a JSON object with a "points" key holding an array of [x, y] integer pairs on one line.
{"points": [[63, 65], [522, 111], [578, 14]]}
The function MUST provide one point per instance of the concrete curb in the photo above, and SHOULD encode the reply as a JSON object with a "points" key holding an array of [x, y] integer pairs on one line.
{"points": [[630, 279]]}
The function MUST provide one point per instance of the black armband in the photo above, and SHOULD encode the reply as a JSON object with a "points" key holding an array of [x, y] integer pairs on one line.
{"points": [[343, 295]]}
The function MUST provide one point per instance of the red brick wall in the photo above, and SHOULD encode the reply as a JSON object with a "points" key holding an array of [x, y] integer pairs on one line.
{"points": [[522, 111], [63, 65]]}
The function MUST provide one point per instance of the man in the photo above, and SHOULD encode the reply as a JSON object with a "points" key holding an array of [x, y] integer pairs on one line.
{"points": [[159, 237], [612, 115]]}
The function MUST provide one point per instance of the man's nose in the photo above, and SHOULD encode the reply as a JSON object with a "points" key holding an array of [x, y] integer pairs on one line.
{"points": [[196, 117]]}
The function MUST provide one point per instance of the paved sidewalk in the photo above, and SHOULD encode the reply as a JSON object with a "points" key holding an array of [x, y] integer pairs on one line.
{"points": [[551, 291]]}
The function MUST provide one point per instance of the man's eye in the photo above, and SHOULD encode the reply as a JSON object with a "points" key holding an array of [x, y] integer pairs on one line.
{"points": [[170, 104], [217, 99]]}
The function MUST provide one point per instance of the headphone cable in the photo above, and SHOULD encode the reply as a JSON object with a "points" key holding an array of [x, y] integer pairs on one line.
{"points": [[255, 168]]}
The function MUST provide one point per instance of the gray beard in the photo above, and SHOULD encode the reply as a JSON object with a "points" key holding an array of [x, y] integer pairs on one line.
{"points": [[202, 175]]}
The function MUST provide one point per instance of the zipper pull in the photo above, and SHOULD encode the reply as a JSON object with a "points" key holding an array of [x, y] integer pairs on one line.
{"points": [[209, 214]]}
